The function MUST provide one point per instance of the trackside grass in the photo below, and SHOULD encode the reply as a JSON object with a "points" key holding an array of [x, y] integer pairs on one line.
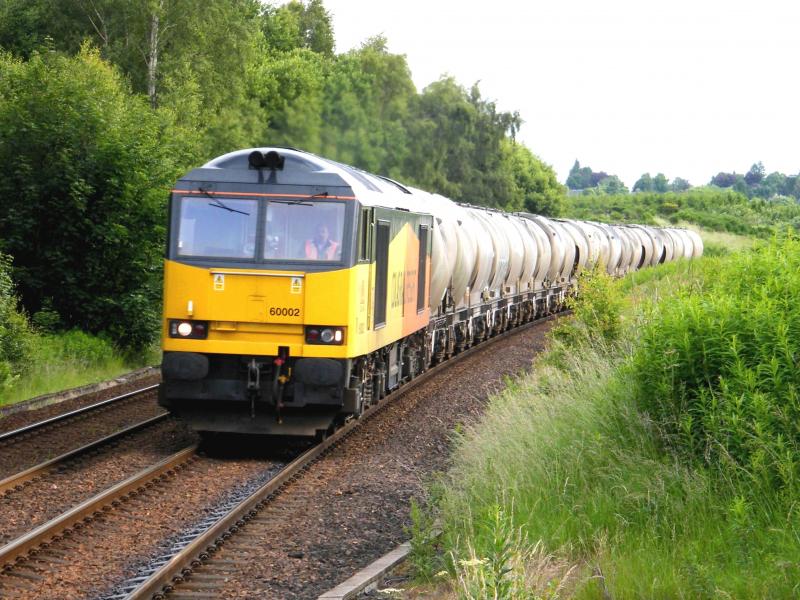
{"points": [[59, 361], [652, 453]]}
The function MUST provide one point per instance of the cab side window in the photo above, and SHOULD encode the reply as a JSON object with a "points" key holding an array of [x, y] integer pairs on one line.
{"points": [[365, 235]]}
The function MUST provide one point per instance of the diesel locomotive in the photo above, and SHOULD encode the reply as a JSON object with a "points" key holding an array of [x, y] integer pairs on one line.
{"points": [[299, 291]]}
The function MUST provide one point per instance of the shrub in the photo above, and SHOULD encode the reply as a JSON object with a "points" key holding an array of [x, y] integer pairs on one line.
{"points": [[87, 169], [597, 310], [15, 335], [717, 369]]}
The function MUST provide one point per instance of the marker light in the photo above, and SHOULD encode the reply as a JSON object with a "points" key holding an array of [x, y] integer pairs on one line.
{"points": [[194, 330], [333, 336]]}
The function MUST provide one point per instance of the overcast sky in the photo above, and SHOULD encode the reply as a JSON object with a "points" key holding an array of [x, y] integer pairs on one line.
{"points": [[688, 88]]}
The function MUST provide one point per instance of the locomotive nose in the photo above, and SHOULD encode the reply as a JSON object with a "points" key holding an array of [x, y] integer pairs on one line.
{"points": [[258, 297]]}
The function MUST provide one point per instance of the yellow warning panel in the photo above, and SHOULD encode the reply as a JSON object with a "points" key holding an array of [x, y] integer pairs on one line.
{"points": [[219, 282], [297, 285]]}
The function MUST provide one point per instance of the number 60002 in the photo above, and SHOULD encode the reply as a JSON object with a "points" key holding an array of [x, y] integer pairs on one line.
{"points": [[284, 312]]}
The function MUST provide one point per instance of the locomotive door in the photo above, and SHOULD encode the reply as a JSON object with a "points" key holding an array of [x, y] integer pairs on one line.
{"points": [[383, 234]]}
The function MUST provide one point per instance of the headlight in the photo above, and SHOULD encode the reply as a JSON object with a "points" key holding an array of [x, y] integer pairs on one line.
{"points": [[325, 336], [193, 330]]}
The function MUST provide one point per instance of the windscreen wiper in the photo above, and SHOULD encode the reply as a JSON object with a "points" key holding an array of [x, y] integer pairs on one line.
{"points": [[219, 204], [293, 202]]}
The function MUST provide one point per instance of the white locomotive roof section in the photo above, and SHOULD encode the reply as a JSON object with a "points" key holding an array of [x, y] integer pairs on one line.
{"points": [[369, 189]]}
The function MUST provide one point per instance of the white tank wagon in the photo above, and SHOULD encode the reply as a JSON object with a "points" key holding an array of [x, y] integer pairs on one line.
{"points": [[583, 245], [543, 253], [697, 243], [615, 247], [522, 266]]}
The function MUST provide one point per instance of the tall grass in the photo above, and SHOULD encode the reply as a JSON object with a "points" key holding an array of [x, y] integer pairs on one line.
{"points": [[591, 460], [58, 361], [38, 358]]}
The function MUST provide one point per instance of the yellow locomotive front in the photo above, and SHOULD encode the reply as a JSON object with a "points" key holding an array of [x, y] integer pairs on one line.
{"points": [[271, 285]]}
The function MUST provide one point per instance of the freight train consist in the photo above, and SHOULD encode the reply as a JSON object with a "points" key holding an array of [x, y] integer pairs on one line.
{"points": [[299, 291]]}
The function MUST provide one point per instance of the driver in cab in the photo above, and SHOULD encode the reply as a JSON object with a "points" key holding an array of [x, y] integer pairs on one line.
{"points": [[321, 246]]}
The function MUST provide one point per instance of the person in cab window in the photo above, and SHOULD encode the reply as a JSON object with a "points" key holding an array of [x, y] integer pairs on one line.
{"points": [[321, 246]]}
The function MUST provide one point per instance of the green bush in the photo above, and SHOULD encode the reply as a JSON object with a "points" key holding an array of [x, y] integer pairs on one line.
{"points": [[597, 310], [717, 369], [87, 170], [15, 335], [59, 361], [76, 348]]}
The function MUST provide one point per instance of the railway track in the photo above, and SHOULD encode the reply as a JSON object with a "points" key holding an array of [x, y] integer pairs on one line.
{"points": [[32, 564], [26, 447], [71, 416], [194, 572], [19, 480], [29, 546]]}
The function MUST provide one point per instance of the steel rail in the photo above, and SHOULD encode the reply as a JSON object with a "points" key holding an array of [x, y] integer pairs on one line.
{"points": [[18, 549], [20, 478], [181, 565], [4, 437]]}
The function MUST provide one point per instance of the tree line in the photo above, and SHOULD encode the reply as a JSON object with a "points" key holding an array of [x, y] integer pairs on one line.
{"points": [[104, 103], [756, 183]]}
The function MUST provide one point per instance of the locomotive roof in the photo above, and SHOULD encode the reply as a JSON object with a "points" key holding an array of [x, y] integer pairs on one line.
{"points": [[306, 169]]}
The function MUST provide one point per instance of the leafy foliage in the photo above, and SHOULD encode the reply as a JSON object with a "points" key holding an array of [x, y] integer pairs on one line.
{"points": [[581, 178], [718, 210], [15, 335], [88, 168], [596, 310], [717, 369]]}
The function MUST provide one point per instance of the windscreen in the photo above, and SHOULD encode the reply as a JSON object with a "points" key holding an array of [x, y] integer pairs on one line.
{"points": [[212, 227], [304, 230]]}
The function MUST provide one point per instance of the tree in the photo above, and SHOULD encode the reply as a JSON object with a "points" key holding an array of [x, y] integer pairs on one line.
{"points": [[740, 185], [724, 180], [660, 183], [772, 185], [680, 185], [177, 57], [313, 28], [84, 197], [536, 187], [291, 88], [15, 334], [457, 140], [369, 93], [612, 185], [791, 186], [643, 184], [581, 178], [755, 174]]}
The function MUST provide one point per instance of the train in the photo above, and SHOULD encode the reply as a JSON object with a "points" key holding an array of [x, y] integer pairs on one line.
{"points": [[299, 291]]}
